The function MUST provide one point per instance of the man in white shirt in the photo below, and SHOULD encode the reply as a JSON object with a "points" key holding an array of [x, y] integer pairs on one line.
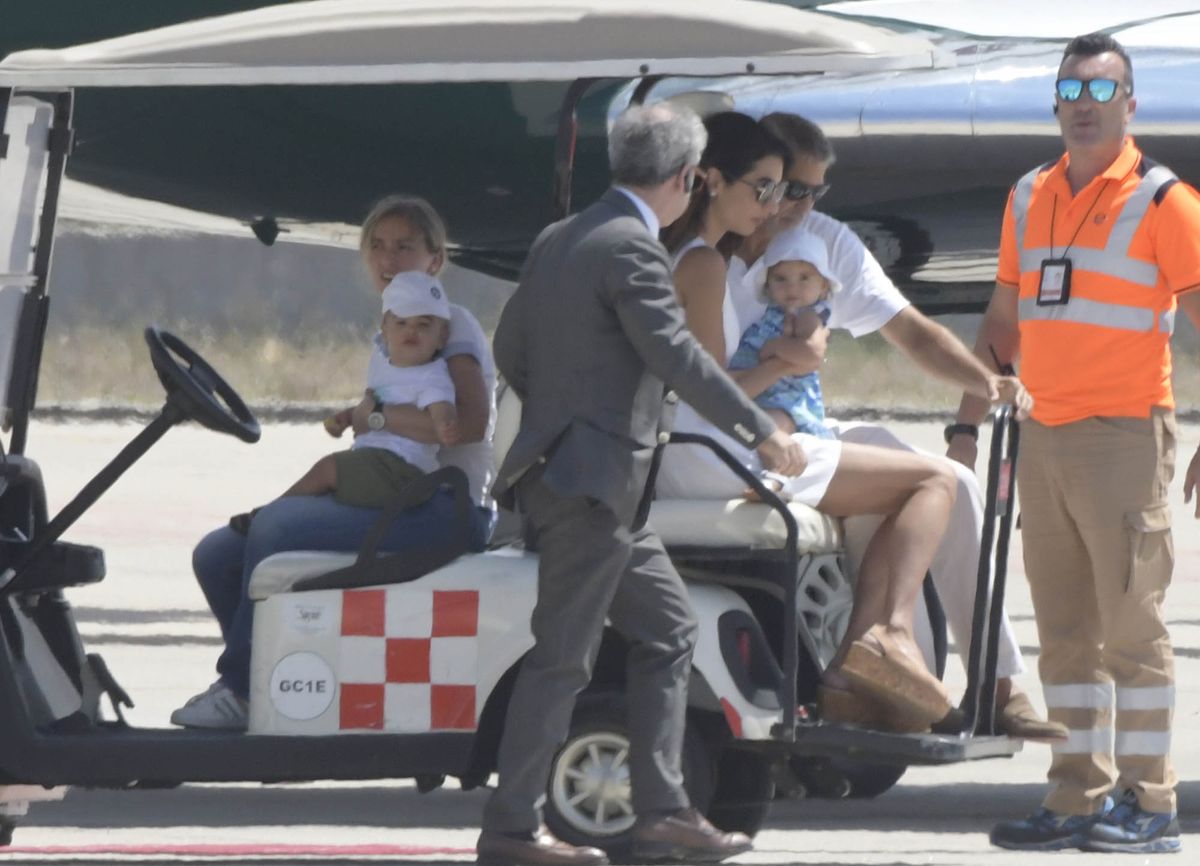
{"points": [[870, 302]]}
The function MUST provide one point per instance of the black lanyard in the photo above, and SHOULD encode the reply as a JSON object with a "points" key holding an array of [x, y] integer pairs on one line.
{"points": [[1054, 211]]}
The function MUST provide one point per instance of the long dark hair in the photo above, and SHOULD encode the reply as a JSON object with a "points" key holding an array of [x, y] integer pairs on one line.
{"points": [[735, 143]]}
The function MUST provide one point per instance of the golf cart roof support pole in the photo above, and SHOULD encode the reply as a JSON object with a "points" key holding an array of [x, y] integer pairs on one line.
{"points": [[564, 145], [643, 89], [28, 351], [980, 699], [5, 96], [170, 416]]}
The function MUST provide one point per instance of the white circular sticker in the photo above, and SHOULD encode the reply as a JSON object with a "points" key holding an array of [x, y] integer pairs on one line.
{"points": [[302, 686]]}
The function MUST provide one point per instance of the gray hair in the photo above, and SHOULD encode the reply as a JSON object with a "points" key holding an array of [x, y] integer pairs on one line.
{"points": [[649, 144]]}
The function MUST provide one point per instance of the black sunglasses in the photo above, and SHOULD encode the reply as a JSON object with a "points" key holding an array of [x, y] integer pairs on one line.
{"points": [[797, 191], [1100, 89]]}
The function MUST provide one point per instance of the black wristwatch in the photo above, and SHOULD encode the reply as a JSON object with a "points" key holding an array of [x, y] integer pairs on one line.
{"points": [[953, 430], [376, 420]]}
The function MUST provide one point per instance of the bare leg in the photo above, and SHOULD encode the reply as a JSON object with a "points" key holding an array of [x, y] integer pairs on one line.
{"points": [[916, 493], [321, 479]]}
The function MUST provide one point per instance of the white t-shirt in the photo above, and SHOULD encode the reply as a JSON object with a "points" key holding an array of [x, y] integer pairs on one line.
{"points": [[473, 458], [422, 386], [867, 300]]}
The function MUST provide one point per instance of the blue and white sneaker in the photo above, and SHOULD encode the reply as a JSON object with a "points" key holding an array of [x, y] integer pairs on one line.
{"points": [[1045, 830], [1130, 829]]}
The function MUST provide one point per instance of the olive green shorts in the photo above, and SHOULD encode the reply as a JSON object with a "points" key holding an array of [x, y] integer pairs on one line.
{"points": [[371, 477]]}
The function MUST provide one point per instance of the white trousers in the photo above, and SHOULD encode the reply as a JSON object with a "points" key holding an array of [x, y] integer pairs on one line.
{"points": [[956, 565]]}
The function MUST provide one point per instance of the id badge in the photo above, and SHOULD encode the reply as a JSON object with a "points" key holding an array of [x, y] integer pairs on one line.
{"points": [[1054, 287]]}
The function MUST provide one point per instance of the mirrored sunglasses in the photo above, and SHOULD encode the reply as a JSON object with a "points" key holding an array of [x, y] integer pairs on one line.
{"points": [[766, 191], [797, 191], [1100, 89]]}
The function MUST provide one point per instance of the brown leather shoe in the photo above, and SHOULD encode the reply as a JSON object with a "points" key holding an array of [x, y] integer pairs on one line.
{"points": [[1019, 719], [542, 849], [686, 836]]}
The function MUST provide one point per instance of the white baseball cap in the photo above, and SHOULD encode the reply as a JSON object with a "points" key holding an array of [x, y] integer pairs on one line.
{"points": [[795, 245], [416, 293]]}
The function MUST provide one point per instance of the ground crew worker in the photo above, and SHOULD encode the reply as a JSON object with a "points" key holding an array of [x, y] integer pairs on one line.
{"points": [[1096, 251]]}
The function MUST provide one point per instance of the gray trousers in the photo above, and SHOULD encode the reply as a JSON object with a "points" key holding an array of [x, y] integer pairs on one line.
{"points": [[591, 567]]}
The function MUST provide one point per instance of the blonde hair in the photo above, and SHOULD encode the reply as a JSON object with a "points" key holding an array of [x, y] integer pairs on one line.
{"points": [[419, 213]]}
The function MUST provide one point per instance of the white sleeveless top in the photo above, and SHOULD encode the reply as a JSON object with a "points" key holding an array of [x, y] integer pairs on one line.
{"points": [[692, 471]]}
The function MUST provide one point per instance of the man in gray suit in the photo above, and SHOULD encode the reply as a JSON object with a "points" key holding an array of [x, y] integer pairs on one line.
{"points": [[590, 341]]}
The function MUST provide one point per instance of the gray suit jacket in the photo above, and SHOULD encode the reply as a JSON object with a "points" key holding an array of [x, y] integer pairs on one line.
{"points": [[587, 341]]}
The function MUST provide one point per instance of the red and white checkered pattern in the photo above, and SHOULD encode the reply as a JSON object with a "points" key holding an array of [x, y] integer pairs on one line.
{"points": [[408, 659]]}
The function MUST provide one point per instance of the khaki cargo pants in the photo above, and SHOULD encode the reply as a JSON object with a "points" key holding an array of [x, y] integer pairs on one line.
{"points": [[1098, 553]]}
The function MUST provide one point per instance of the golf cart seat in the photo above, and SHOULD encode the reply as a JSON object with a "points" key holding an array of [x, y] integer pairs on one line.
{"points": [[23, 518], [681, 523], [715, 523]]}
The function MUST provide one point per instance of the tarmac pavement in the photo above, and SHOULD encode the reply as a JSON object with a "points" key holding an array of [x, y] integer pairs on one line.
{"points": [[149, 621]]}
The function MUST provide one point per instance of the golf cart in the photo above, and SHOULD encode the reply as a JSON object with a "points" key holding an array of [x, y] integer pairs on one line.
{"points": [[373, 666]]}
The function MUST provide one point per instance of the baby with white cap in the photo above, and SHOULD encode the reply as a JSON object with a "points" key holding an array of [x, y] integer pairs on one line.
{"points": [[416, 323], [795, 280]]}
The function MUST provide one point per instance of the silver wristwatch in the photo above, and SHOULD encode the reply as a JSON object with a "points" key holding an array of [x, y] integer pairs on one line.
{"points": [[376, 421]]}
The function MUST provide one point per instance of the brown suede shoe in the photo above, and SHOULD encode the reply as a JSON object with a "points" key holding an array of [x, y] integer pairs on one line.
{"points": [[686, 836], [543, 849], [1019, 719]]}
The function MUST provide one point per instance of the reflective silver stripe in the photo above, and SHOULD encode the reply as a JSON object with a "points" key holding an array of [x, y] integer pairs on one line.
{"points": [[1099, 261], [1147, 698], [1079, 695], [1143, 742], [1085, 312], [1022, 192], [1086, 741], [1135, 209], [1113, 260]]}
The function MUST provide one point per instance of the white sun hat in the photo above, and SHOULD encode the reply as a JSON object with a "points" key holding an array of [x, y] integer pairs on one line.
{"points": [[415, 293], [794, 245]]}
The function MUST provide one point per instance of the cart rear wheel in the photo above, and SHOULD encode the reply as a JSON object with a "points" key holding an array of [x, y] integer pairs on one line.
{"points": [[742, 792], [837, 778]]}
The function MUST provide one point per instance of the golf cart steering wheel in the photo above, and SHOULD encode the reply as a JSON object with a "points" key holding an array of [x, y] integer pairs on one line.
{"points": [[197, 390]]}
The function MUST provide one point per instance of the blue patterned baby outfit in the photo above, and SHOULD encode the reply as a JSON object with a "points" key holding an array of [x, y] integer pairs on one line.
{"points": [[799, 396]]}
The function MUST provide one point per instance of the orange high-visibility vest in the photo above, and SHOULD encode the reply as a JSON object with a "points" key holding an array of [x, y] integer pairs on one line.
{"points": [[1106, 350]]}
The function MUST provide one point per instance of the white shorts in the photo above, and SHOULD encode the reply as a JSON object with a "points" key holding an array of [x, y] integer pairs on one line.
{"points": [[810, 486], [695, 472]]}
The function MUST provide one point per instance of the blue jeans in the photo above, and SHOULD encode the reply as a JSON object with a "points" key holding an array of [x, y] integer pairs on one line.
{"points": [[224, 560]]}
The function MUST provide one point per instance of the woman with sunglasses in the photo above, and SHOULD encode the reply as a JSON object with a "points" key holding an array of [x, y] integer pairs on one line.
{"points": [[877, 678], [868, 303]]}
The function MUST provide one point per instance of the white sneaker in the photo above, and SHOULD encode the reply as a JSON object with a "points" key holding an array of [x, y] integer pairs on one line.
{"points": [[217, 708]]}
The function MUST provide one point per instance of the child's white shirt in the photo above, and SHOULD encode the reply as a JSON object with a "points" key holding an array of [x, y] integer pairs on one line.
{"points": [[422, 386]]}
